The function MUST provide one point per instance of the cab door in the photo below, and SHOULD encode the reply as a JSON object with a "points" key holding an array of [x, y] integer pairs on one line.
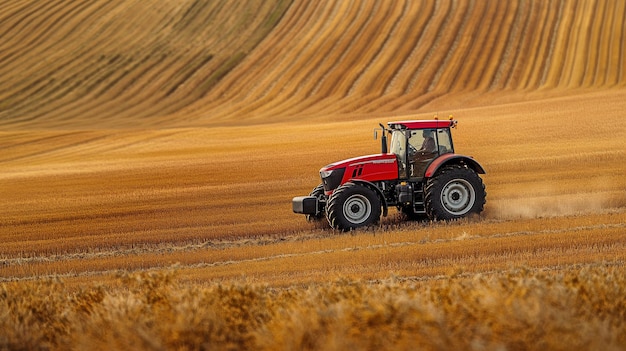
{"points": [[423, 149]]}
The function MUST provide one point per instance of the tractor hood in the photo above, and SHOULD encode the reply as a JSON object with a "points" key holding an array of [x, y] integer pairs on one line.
{"points": [[370, 168]]}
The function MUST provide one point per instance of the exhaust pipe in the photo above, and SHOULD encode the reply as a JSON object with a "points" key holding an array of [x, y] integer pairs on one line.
{"points": [[383, 140]]}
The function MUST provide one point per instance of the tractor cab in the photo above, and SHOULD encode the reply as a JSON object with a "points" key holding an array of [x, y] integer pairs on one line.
{"points": [[417, 143]]}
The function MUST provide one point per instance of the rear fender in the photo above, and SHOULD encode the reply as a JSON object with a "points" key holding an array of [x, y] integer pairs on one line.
{"points": [[453, 159], [373, 186]]}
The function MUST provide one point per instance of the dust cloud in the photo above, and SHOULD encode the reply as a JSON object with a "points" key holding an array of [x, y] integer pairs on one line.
{"points": [[554, 205]]}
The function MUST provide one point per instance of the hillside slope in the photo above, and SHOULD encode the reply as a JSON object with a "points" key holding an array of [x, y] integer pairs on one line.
{"points": [[130, 63], [119, 63]]}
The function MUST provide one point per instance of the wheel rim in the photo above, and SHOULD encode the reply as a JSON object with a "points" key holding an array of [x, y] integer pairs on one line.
{"points": [[458, 197], [357, 209]]}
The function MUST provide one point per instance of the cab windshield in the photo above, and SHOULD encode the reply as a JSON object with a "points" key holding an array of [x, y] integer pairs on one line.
{"points": [[398, 147]]}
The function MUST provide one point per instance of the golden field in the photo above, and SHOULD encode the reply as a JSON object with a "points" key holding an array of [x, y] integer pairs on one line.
{"points": [[518, 309], [142, 139]]}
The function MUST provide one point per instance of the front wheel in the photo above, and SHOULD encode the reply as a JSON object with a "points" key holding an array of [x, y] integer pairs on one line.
{"points": [[455, 192], [352, 206]]}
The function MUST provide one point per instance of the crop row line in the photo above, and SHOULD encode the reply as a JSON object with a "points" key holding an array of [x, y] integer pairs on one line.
{"points": [[224, 244], [553, 268], [81, 58], [403, 278], [513, 45]]}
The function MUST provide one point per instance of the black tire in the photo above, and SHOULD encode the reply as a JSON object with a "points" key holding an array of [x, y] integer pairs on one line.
{"points": [[353, 206], [455, 192], [318, 192]]}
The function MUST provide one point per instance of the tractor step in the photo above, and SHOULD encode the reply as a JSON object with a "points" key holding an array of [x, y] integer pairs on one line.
{"points": [[418, 201]]}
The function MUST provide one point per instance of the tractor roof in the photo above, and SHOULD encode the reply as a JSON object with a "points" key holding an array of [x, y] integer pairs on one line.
{"points": [[423, 124]]}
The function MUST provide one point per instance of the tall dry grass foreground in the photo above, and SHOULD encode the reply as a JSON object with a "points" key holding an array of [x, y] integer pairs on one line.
{"points": [[583, 308]]}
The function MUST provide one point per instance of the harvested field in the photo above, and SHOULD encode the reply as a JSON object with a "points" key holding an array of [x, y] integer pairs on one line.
{"points": [[93, 202], [139, 139]]}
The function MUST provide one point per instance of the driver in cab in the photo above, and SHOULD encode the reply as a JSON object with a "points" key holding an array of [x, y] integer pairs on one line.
{"points": [[428, 145]]}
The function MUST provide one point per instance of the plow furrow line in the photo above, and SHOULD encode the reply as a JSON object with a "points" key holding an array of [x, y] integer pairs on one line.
{"points": [[434, 25], [55, 150], [427, 260], [192, 265], [344, 51], [287, 67], [224, 245], [326, 77], [544, 20], [510, 49], [41, 30], [590, 55], [574, 51], [448, 44], [620, 66], [12, 13], [497, 46], [600, 53], [27, 15], [303, 81], [399, 76], [404, 278], [551, 44], [347, 50], [557, 57], [265, 60], [554, 268], [378, 54]]}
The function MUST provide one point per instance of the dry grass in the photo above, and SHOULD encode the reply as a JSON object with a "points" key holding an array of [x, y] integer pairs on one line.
{"points": [[521, 309]]}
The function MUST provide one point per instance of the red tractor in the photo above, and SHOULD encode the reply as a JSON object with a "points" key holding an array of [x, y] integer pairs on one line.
{"points": [[419, 174]]}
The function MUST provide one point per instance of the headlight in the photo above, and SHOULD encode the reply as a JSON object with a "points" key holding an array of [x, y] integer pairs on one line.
{"points": [[325, 174], [332, 178]]}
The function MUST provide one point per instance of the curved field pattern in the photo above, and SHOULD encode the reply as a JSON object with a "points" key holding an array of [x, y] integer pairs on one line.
{"points": [[139, 135], [189, 63]]}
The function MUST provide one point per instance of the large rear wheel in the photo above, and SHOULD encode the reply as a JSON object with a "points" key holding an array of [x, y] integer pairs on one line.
{"points": [[352, 206], [453, 193]]}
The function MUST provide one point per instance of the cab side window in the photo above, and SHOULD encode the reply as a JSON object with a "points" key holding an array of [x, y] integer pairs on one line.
{"points": [[445, 141]]}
